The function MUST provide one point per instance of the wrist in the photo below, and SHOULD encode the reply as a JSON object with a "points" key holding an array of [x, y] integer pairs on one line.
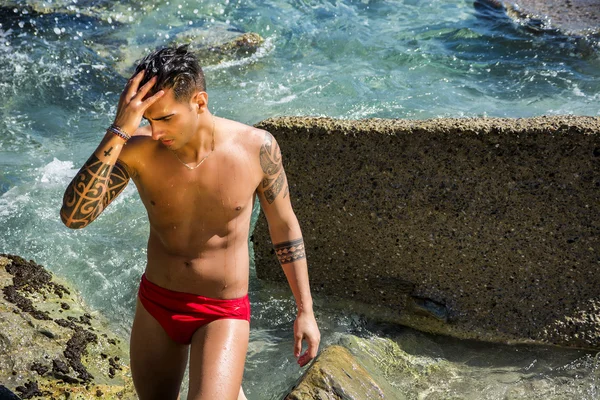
{"points": [[118, 131], [305, 308]]}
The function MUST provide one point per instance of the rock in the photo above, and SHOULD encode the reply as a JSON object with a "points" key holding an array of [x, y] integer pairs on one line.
{"points": [[49, 350], [474, 228], [111, 38], [568, 17], [428, 370], [571, 17], [336, 375], [213, 46]]}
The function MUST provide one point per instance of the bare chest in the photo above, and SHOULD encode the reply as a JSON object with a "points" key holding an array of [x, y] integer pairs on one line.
{"points": [[217, 192]]}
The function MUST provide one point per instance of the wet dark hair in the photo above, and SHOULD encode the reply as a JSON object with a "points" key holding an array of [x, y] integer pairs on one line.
{"points": [[175, 67]]}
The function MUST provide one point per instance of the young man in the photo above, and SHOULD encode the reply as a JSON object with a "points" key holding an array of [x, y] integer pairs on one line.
{"points": [[197, 176]]}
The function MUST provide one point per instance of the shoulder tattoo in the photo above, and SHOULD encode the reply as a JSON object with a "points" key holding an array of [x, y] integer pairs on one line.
{"points": [[274, 179]]}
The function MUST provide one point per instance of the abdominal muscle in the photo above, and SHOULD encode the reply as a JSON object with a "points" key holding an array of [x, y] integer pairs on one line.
{"points": [[216, 267]]}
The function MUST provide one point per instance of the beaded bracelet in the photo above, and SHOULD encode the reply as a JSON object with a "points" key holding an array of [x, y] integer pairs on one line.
{"points": [[119, 132]]}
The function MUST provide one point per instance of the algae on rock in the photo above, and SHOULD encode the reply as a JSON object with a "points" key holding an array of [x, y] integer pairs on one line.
{"points": [[51, 345], [336, 375]]}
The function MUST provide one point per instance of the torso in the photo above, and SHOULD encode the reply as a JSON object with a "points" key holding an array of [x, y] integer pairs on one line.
{"points": [[199, 219]]}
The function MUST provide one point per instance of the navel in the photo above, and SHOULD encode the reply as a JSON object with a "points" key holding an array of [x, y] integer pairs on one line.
{"points": [[152, 202]]}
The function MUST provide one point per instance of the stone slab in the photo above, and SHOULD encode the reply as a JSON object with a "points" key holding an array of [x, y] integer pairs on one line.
{"points": [[477, 228]]}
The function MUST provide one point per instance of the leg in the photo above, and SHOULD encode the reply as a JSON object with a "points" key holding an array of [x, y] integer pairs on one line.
{"points": [[157, 362], [217, 360]]}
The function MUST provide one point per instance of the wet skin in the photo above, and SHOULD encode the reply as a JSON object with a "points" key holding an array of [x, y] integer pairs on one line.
{"points": [[199, 224]]}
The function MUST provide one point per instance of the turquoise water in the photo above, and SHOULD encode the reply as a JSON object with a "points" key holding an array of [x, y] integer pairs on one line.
{"points": [[344, 59]]}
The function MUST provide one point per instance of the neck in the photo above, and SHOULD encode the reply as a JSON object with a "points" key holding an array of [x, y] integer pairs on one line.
{"points": [[203, 141]]}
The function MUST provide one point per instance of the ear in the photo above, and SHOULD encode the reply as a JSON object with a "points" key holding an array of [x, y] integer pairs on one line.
{"points": [[199, 101]]}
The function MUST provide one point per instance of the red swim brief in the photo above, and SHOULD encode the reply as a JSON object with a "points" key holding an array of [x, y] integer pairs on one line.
{"points": [[181, 314]]}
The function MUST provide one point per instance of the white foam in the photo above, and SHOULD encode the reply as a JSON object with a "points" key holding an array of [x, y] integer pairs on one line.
{"points": [[57, 171], [577, 91], [282, 100], [12, 201], [60, 173]]}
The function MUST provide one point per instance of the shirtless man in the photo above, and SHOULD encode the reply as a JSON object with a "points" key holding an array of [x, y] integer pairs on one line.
{"points": [[197, 176]]}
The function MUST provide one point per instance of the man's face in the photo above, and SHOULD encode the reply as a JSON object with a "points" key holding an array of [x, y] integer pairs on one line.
{"points": [[173, 122]]}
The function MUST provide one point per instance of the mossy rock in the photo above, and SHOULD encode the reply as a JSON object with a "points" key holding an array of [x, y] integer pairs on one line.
{"points": [[51, 344], [336, 375]]}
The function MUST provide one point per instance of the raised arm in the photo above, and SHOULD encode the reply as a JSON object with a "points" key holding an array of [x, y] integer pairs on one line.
{"points": [[286, 236], [105, 175], [97, 183]]}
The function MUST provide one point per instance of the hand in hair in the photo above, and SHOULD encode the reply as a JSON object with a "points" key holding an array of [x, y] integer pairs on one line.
{"points": [[133, 104]]}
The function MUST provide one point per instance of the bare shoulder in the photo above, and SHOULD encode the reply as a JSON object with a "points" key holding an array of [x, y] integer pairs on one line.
{"points": [[264, 149], [246, 136], [137, 149]]}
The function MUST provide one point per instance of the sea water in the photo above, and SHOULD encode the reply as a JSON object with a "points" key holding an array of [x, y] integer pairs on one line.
{"points": [[342, 59]]}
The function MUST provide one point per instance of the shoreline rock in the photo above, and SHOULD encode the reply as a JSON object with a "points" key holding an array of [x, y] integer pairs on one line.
{"points": [[571, 17], [352, 365], [575, 18], [336, 374], [50, 344]]}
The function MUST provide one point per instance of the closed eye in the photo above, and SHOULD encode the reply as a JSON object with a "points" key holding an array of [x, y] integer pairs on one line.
{"points": [[165, 118]]}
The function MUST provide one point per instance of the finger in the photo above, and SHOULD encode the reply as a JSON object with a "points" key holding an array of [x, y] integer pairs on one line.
{"points": [[152, 99], [132, 85], [143, 91], [313, 347], [304, 359], [310, 353], [138, 76], [297, 346]]}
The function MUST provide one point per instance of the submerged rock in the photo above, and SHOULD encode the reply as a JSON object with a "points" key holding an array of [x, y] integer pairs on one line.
{"points": [[216, 45], [357, 368], [109, 29], [50, 344], [212, 46]]}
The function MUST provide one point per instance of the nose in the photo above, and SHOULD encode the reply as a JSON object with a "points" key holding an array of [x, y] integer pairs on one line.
{"points": [[157, 134]]}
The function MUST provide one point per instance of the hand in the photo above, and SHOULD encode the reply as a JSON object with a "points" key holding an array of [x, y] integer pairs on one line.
{"points": [[132, 105], [305, 328]]}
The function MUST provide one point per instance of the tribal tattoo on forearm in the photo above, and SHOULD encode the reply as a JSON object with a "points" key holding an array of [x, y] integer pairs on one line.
{"points": [[270, 161], [94, 187], [288, 252]]}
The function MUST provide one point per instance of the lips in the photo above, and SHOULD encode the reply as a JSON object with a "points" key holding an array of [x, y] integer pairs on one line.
{"points": [[167, 142]]}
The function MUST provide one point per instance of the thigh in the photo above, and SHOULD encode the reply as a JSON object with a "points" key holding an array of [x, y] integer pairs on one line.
{"points": [[157, 362], [217, 358]]}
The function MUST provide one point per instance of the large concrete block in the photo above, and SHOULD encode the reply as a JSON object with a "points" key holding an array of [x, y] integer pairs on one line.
{"points": [[478, 228]]}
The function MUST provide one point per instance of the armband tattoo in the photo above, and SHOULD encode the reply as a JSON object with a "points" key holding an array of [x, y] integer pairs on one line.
{"points": [[288, 252]]}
